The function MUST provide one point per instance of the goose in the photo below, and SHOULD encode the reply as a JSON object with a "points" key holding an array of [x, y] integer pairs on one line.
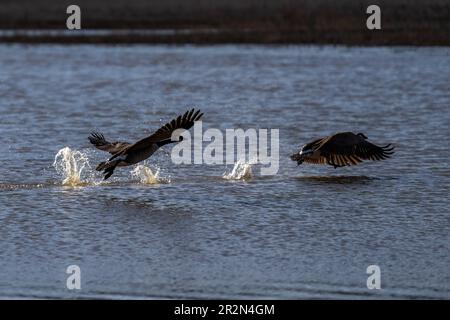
{"points": [[342, 149], [127, 154]]}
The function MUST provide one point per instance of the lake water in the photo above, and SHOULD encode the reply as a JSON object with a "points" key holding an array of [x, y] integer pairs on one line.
{"points": [[307, 232]]}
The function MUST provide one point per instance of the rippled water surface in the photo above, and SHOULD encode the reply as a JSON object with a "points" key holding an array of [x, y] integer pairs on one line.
{"points": [[183, 231]]}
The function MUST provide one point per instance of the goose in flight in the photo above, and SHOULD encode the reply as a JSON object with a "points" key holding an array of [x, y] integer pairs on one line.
{"points": [[127, 154], [342, 149]]}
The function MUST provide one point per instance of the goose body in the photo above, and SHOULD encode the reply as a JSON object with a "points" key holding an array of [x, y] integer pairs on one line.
{"points": [[127, 154], [342, 149]]}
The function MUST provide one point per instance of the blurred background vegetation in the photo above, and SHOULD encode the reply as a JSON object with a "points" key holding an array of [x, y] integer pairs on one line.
{"points": [[404, 22]]}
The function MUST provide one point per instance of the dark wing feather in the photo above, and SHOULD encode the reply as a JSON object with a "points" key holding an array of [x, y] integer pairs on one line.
{"points": [[373, 152], [99, 141], [344, 149], [320, 160], [186, 121], [314, 145]]}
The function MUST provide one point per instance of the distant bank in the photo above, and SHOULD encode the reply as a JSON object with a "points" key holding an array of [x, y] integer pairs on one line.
{"points": [[403, 22]]}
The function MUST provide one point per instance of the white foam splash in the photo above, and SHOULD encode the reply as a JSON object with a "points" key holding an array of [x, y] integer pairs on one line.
{"points": [[70, 165], [241, 171], [146, 176]]}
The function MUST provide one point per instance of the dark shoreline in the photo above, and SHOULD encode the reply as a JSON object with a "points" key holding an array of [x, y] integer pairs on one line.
{"points": [[374, 38], [404, 22]]}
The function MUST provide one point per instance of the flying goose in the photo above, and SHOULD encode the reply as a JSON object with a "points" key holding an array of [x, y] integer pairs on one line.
{"points": [[127, 154], [342, 149]]}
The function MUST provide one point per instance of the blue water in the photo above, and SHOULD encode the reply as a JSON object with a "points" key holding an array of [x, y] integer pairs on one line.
{"points": [[307, 232]]}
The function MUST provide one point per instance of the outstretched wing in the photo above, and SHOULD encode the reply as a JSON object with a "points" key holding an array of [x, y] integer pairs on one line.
{"points": [[186, 121], [312, 147], [99, 141], [318, 160], [345, 149]]}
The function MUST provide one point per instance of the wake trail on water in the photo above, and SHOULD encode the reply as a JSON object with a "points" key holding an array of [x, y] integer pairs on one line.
{"points": [[74, 168]]}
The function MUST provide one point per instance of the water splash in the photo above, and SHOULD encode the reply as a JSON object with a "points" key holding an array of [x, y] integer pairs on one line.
{"points": [[70, 165], [241, 171], [146, 176]]}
